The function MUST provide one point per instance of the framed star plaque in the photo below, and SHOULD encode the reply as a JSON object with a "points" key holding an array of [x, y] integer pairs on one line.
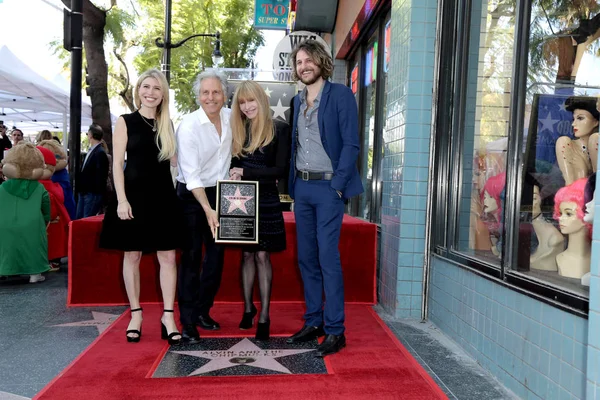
{"points": [[237, 210]]}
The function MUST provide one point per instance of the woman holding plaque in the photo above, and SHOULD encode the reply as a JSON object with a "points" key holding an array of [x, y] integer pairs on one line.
{"points": [[261, 152], [143, 218]]}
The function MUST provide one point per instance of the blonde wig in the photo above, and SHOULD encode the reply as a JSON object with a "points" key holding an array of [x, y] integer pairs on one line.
{"points": [[261, 128], [165, 137]]}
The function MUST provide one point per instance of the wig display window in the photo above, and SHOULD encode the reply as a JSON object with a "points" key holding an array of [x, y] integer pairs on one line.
{"points": [[485, 132], [560, 148], [368, 128]]}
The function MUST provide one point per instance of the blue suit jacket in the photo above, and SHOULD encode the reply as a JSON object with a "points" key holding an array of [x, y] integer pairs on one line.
{"points": [[338, 125]]}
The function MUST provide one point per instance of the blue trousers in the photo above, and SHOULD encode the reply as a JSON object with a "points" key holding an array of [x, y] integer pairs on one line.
{"points": [[319, 213], [89, 204]]}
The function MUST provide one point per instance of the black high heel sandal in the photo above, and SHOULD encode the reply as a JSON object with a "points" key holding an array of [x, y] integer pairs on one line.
{"points": [[169, 336], [248, 318], [262, 331], [134, 339]]}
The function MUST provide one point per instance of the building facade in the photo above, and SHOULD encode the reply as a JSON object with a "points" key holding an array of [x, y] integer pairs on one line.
{"points": [[479, 151]]}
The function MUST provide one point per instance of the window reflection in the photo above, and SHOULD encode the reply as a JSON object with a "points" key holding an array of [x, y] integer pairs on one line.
{"points": [[368, 130], [485, 131], [560, 150]]}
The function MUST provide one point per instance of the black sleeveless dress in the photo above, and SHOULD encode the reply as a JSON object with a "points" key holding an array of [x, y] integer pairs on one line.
{"points": [[266, 166], [149, 188]]}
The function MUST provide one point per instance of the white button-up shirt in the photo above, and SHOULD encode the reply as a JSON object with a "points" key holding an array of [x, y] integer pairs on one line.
{"points": [[202, 156]]}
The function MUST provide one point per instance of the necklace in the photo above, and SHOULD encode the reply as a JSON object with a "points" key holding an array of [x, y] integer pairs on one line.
{"points": [[153, 126]]}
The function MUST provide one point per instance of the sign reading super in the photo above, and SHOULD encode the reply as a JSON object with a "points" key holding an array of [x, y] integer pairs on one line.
{"points": [[271, 14]]}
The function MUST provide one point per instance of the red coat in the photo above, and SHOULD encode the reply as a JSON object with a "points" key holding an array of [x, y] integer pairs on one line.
{"points": [[58, 233]]}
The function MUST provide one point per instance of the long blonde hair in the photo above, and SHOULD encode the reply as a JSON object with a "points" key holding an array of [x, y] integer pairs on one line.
{"points": [[165, 137], [261, 128]]}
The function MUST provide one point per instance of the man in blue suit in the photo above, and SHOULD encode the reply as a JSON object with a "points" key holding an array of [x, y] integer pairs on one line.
{"points": [[323, 175]]}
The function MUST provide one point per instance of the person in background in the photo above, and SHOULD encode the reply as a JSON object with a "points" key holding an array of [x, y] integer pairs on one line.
{"points": [[110, 187], [43, 135], [61, 175], [25, 206], [58, 229], [5, 143], [17, 136], [260, 152], [91, 185]]}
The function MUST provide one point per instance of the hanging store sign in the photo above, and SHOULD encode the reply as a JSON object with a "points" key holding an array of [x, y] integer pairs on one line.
{"points": [[281, 57], [271, 14]]}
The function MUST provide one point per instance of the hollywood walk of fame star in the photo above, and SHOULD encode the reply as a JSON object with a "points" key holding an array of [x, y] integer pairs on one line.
{"points": [[279, 110], [268, 91], [237, 201], [100, 320], [242, 353], [548, 123]]}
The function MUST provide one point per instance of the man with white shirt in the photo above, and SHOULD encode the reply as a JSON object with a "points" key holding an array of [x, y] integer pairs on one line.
{"points": [[204, 156]]}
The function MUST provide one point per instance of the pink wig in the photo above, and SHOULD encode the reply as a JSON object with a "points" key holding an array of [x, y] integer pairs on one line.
{"points": [[574, 193], [494, 186]]}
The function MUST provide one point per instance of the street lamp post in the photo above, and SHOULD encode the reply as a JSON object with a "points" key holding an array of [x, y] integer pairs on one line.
{"points": [[166, 44]]}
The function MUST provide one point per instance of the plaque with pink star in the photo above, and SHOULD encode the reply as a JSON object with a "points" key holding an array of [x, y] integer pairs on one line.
{"points": [[237, 209]]}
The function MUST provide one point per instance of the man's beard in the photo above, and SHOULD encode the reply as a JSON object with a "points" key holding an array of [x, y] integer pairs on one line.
{"points": [[310, 81]]}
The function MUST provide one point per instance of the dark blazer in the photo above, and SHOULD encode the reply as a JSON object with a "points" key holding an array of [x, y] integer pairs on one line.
{"points": [[338, 126], [94, 173], [277, 156], [4, 144]]}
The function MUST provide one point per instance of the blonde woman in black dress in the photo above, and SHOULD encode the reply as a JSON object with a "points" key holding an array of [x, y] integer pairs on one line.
{"points": [[260, 151], [144, 218]]}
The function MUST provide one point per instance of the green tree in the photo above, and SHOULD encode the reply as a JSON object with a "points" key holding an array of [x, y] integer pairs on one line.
{"points": [[554, 24], [239, 40], [98, 23]]}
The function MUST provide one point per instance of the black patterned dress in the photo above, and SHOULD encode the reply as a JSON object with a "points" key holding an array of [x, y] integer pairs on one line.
{"points": [[266, 166]]}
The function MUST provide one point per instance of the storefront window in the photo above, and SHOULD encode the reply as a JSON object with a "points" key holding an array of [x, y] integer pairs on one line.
{"points": [[560, 149], [485, 131], [368, 129]]}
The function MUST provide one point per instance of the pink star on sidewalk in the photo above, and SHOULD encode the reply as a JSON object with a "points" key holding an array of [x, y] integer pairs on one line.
{"points": [[237, 201]]}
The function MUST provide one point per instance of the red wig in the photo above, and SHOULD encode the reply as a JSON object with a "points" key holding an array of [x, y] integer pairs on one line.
{"points": [[575, 193], [494, 186]]}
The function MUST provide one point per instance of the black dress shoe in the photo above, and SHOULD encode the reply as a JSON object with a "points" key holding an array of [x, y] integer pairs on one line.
{"points": [[263, 331], [306, 334], [248, 318], [207, 323], [189, 335], [331, 345]]}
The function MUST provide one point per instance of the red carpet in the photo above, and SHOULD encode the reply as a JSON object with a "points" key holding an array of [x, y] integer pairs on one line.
{"points": [[95, 276], [374, 365]]}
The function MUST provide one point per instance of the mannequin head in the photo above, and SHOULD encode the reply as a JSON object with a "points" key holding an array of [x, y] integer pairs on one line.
{"points": [[585, 115], [588, 198], [569, 206], [490, 196]]}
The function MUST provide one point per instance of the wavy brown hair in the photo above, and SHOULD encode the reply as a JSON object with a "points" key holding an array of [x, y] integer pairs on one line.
{"points": [[261, 128], [319, 55]]}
